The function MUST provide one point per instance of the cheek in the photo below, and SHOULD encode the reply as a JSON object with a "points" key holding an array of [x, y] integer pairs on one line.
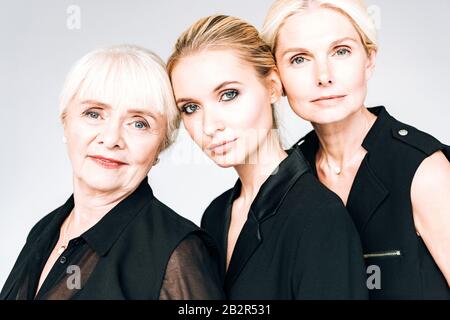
{"points": [[79, 136], [351, 76], [193, 125], [254, 111], [297, 84], [143, 150]]}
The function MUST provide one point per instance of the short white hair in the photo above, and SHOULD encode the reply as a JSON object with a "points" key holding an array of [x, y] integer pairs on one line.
{"points": [[123, 74], [356, 10]]}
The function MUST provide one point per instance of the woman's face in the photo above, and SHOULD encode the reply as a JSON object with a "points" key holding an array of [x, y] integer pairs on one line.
{"points": [[323, 65], [129, 136], [226, 107]]}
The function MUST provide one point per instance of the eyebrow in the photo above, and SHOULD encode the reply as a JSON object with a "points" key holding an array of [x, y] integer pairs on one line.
{"points": [[220, 86], [133, 111], [296, 49], [142, 112], [97, 103]]}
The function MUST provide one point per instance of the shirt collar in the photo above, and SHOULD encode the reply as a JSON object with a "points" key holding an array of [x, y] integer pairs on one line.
{"points": [[102, 235], [275, 188], [377, 128]]}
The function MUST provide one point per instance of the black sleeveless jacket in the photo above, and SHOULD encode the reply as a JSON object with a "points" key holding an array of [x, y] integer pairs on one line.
{"points": [[380, 205]]}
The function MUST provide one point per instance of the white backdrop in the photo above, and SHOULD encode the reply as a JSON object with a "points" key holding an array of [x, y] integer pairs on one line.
{"points": [[38, 46]]}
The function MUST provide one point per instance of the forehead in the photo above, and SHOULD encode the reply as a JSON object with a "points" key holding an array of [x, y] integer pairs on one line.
{"points": [[315, 27], [205, 70]]}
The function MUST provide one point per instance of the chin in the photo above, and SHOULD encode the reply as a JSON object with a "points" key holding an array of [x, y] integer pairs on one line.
{"points": [[228, 160], [102, 182], [324, 115]]}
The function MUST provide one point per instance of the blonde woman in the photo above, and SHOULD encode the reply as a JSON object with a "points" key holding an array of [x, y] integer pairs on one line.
{"points": [[113, 239], [393, 178], [281, 234]]}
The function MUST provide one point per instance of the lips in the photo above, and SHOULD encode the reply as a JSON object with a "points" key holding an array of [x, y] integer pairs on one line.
{"points": [[221, 147], [326, 98], [108, 163]]}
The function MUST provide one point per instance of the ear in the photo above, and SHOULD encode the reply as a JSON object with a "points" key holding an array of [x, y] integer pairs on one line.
{"points": [[370, 65], [276, 88]]}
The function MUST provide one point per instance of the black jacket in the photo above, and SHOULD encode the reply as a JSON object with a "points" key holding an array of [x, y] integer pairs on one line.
{"points": [[380, 205], [141, 249], [298, 241]]}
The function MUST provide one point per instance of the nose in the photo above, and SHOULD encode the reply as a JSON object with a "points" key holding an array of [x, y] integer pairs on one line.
{"points": [[111, 135], [212, 121], [324, 74]]}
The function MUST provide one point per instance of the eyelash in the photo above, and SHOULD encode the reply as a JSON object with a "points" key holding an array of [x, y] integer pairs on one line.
{"points": [[145, 123], [297, 57], [343, 48], [335, 52], [188, 105], [234, 91], [184, 109], [89, 113]]}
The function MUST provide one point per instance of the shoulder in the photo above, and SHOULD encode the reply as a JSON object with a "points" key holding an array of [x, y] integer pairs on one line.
{"points": [[431, 182], [419, 141], [161, 218], [193, 245], [39, 227]]}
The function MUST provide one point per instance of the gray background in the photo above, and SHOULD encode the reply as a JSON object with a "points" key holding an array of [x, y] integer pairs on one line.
{"points": [[37, 49]]}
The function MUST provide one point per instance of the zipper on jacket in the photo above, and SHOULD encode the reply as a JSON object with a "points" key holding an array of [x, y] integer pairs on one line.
{"points": [[392, 253]]}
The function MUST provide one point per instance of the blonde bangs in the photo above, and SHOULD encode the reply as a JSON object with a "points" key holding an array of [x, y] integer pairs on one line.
{"points": [[122, 76]]}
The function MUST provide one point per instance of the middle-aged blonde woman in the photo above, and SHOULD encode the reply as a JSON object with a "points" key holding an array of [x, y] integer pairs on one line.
{"points": [[393, 178], [281, 233], [113, 239]]}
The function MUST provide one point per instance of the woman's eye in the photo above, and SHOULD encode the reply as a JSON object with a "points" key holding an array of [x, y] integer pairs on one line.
{"points": [[140, 124], [298, 60], [342, 52], [92, 114], [189, 108], [229, 95]]}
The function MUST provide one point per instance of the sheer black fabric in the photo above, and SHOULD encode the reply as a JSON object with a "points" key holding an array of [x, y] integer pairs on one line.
{"points": [[190, 273], [139, 250]]}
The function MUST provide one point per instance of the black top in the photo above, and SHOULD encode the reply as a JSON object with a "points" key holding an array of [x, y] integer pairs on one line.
{"points": [[298, 241], [141, 249], [380, 205]]}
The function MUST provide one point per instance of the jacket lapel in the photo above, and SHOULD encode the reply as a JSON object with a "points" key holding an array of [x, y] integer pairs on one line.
{"points": [[366, 195], [248, 241], [265, 205]]}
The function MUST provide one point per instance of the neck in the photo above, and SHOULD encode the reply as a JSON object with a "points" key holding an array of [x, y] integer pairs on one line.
{"points": [[259, 166], [340, 141], [91, 205]]}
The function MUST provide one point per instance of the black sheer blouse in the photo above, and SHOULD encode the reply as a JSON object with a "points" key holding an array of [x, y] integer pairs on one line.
{"points": [[140, 250]]}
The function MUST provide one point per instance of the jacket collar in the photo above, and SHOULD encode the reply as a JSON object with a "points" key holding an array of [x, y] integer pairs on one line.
{"points": [[103, 235], [366, 181], [373, 137], [265, 205]]}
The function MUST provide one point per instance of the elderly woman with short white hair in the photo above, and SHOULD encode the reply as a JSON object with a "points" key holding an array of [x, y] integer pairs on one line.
{"points": [[113, 239]]}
